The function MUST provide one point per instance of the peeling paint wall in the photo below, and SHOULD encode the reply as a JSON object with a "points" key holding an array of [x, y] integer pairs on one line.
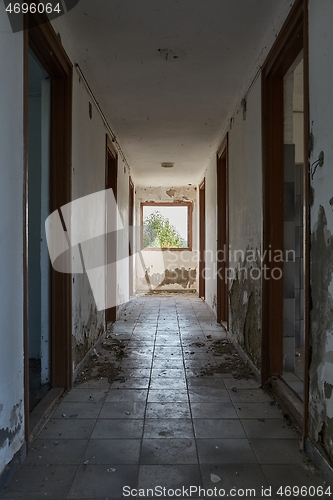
{"points": [[321, 251], [11, 242], [168, 270], [245, 223]]}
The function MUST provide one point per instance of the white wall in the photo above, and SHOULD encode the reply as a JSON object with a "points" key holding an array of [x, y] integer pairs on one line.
{"points": [[184, 263], [321, 321], [11, 241], [211, 234]]}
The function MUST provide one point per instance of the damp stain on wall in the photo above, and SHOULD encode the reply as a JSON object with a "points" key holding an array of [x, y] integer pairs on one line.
{"points": [[8, 434], [321, 338], [245, 309]]}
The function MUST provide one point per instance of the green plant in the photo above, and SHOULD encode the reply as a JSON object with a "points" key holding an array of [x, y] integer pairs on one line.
{"points": [[158, 232]]}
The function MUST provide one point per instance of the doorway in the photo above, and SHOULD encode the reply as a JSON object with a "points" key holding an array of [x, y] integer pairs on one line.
{"points": [[202, 238], [222, 233], [39, 268], [286, 220], [48, 297], [111, 279]]}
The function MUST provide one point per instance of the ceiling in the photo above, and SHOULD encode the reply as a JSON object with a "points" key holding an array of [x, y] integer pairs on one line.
{"points": [[167, 73]]}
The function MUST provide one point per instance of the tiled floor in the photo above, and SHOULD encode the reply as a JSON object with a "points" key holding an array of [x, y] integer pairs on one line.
{"points": [[162, 423]]}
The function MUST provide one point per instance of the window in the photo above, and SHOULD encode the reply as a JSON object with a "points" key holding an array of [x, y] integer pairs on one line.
{"points": [[166, 226]]}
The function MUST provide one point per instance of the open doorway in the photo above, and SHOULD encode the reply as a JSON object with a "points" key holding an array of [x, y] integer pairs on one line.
{"points": [[111, 279], [285, 217], [222, 232], [293, 275], [48, 297], [39, 272]]}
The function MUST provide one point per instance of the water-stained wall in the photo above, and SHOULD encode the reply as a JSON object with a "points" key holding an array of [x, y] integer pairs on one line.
{"points": [[321, 250]]}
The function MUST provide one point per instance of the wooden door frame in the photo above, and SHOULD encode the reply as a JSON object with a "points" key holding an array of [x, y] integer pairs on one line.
{"points": [[292, 39], [222, 231], [111, 154], [41, 38], [202, 238]]}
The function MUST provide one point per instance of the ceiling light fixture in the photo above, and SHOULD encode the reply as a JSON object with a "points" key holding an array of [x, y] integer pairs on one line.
{"points": [[167, 165]]}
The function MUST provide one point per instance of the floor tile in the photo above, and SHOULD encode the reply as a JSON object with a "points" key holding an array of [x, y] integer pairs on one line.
{"points": [[213, 410], [257, 410], [33, 480], [117, 395], [123, 409], [114, 451], [168, 410], [277, 451], [218, 428], [56, 452], [167, 396], [67, 429], [167, 383], [168, 428], [77, 410], [239, 476], [103, 481], [118, 428], [170, 476], [85, 395], [269, 428], [175, 451], [225, 451]]}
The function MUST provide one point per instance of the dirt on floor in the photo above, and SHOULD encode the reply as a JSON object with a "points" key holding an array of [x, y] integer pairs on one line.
{"points": [[106, 363], [230, 361]]}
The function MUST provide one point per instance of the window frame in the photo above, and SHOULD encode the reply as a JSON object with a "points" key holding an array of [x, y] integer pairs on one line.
{"points": [[187, 204]]}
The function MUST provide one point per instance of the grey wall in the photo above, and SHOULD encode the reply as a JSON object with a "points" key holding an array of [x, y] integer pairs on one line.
{"points": [[11, 241], [321, 321]]}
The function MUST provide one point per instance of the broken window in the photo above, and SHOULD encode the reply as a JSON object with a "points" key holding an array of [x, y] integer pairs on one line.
{"points": [[166, 225]]}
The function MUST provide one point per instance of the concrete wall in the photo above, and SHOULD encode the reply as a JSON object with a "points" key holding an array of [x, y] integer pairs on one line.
{"points": [[11, 241], [321, 327], [168, 270]]}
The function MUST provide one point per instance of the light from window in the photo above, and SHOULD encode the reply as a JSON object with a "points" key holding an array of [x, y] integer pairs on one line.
{"points": [[165, 226]]}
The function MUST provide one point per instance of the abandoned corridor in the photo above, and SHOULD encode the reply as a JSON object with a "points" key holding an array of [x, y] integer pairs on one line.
{"points": [[166, 401]]}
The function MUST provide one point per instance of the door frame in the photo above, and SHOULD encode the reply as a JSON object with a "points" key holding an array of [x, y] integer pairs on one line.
{"points": [[292, 39], [40, 37], [111, 162], [222, 231], [202, 238]]}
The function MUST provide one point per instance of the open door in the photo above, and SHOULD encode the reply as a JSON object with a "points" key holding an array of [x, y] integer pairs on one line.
{"points": [[222, 232]]}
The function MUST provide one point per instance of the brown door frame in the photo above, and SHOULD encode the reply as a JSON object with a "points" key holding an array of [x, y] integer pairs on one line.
{"points": [[293, 38], [131, 234], [111, 182], [222, 231], [202, 238], [42, 39]]}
